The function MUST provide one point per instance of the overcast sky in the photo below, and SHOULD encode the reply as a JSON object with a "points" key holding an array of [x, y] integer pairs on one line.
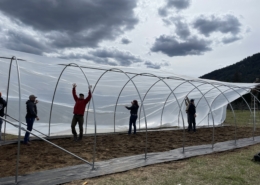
{"points": [[186, 37]]}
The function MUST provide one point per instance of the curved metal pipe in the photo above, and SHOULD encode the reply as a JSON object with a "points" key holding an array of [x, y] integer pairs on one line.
{"points": [[92, 98], [7, 93], [161, 79], [119, 97], [187, 96], [131, 79], [209, 108], [169, 97], [231, 88], [92, 93], [144, 99]]}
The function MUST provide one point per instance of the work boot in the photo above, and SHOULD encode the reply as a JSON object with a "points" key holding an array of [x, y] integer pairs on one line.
{"points": [[75, 138]]}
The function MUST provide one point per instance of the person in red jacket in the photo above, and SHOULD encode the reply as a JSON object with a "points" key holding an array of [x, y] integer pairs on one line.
{"points": [[79, 110]]}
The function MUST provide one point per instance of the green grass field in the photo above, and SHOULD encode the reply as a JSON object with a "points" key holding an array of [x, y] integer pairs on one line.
{"points": [[227, 168], [243, 118]]}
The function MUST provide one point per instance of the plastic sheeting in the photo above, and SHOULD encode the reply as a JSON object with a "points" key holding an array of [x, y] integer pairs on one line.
{"points": [[162, 94]]}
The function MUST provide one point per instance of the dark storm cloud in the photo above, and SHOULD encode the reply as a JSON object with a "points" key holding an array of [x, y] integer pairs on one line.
{"points": [[170, 46], [125, 41], [20, 41], [224, 24], [177, 4], [74, 23], [107, 56]]}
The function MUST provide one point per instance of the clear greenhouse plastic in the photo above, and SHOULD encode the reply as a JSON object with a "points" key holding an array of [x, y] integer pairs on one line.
{"points": [[161, 102]]}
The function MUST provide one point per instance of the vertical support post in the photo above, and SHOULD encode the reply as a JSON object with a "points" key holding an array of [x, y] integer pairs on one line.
{"points": [[208, 119], [19, 131], [254, 122], [7, 94]]}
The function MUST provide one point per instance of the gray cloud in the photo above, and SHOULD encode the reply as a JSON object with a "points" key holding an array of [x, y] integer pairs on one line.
{"points": [[78, 23], [107, 56], [155, 65], [79, 56], [176, 4], [228, 40], [20, 41], [125, 41], [163, 11], [224, 24], [152, 65], [170, 46], [123, 58], [182, 29]]}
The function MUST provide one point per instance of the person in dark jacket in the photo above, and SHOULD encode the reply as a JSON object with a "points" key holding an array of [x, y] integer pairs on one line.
{"points": [[2, 106], [30, 117], [133, 116], [192, 116], [79, 110]]}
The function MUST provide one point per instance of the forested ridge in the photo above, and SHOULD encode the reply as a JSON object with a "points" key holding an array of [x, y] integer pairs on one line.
{"points": [[246, 70]]}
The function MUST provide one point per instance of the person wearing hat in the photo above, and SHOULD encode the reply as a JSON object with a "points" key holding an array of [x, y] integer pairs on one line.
{"points": [[79, 110], [133, 116], [2, 106], [192, 116], [30, 117]]}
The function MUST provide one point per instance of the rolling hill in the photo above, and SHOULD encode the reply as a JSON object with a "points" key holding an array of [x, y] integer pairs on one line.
{"points": [[246, 70]]}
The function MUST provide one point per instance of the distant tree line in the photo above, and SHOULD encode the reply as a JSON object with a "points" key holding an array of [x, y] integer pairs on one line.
{"points": [[245, 71]]}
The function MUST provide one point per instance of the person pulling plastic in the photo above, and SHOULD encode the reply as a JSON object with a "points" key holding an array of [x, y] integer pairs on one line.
{"points": [[79, 110], [192, 115], [133, 117]]}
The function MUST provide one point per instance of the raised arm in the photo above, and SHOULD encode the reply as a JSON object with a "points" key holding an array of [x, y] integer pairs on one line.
{"points": [[89, 97], [74, 92]]}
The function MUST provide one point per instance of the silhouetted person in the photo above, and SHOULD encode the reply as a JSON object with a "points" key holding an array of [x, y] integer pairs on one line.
{"points": [[133, 116], [192, 116], [2, 107], [30, 117], [79, 110]]}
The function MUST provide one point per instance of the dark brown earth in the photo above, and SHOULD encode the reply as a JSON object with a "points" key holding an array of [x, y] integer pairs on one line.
{"points": [[41, 156]]}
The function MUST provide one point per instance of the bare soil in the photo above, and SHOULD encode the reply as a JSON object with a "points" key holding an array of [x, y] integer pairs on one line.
{"points": [[41, 156]]}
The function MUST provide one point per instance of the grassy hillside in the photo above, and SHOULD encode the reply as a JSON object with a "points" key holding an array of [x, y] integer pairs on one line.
{"points": [[246, 70]]}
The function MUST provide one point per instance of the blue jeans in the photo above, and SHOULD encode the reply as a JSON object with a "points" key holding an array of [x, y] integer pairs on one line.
{"points": [[29, 122], [1, 121], [132, 121]]}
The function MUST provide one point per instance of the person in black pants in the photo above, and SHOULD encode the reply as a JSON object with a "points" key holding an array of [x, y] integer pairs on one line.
{"points": [[2, 106], [133, 117], [30, 116], [192, 116]]}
